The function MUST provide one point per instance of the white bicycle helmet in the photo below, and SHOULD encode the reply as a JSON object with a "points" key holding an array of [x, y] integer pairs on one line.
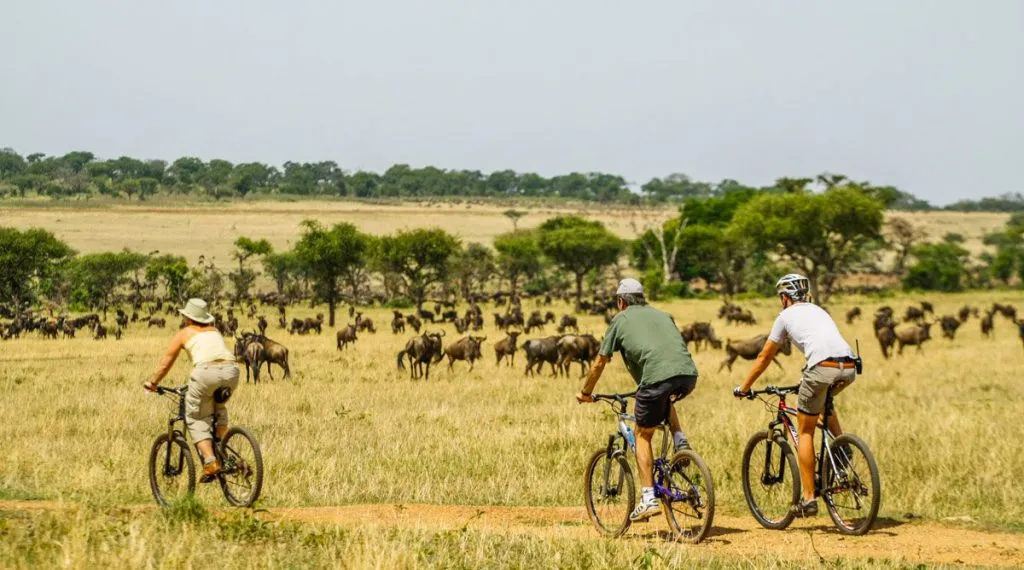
{"points": [[795, 286]]}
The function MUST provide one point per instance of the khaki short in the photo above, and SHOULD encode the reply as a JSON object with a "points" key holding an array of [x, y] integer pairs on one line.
{"points": [[815, 384], [199, 405]]}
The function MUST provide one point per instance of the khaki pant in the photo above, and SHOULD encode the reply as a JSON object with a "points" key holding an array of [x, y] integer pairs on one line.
{"points": [[200, 408], [815, 384]]}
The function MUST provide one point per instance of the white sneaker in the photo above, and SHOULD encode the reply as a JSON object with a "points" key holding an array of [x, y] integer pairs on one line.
{"points": [[645, 510]]}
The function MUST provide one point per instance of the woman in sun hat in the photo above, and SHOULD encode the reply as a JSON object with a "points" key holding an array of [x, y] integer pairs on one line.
{"points": [[214, 367]]}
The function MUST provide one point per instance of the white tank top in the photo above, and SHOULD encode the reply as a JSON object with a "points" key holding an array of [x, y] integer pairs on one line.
{"points": [[208, 346]]}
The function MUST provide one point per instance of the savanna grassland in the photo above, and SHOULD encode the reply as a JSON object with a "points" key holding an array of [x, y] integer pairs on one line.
{"points": [[350, 429], [368, 468]]}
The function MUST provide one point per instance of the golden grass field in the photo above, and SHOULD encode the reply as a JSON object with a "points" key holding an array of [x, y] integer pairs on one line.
{"points": [[477, 469], [350, 429]]}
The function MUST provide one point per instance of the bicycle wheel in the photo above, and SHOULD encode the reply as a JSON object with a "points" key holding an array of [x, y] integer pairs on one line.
{"points": [[172, 471], [852, 491], [690, 509], [771, 480], [609, 492], [242, 476]]}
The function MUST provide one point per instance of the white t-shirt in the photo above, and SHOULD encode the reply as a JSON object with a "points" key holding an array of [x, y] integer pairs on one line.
{"points": [[812, 330]]}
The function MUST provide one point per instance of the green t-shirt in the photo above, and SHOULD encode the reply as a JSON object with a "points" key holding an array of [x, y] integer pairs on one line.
{"points": [[650, 345]]}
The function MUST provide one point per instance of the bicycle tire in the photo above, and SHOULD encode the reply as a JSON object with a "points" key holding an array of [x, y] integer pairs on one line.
{"points": [[694, 472], [781, 515], [185, 468], [248, 470], [853, 527], [622, 493]]}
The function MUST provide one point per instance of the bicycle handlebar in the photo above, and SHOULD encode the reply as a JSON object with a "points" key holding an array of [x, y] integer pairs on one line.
{"points": [[780, 391], [179, 390]]}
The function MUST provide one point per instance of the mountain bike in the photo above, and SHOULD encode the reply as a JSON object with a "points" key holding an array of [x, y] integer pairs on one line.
{"points": [[846, 476], [682, 483], [172, 469]]}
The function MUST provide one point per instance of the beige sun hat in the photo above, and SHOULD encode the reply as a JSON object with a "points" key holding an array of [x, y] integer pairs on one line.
{"points": [[195, 310]]}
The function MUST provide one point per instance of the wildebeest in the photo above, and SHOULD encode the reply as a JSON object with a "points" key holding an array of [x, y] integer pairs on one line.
{"points": [[1020, 330], [414, 322], [986, 324], [466, 348], [253, 357], [365, 324], [927, 307], [577, 348], [536, 321], [507, 347], [68, 329], [913, 336], [740, 316], [541, 350], [273, 353], [346, 335], [568, 322], [426, 315], [913, 314], [700, 333], [100, 332], [397, 323], [852, 314], [461, 325], [262, 325], [449, 316], [949, 325], [1008, 311], [156, 322], [422, 351], [48, 329], [965, 313], [749, 349], [118, 333]]}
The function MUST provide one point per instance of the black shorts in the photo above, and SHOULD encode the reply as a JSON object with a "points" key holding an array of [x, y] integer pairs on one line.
{"points": [[653, 401]]}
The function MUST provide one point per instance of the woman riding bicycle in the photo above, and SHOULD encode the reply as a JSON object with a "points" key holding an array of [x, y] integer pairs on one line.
{"points": [[830, 364], [214, 376]]}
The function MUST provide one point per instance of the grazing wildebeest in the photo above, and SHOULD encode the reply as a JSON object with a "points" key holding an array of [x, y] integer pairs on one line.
{"points": [[273, 353], [346, 335], [913, 336], [100, 332], [422, 351], [536, 321], [156, 322], [700, 333], [949, 325], [927, 307], [253, 357], [577, 348], [449, 316], [913, 314], [426, 315], [68, 329], [500, 321], [365, 324], [262, 324], [886, 335], [507, 347], [749, 349], [118, 333], [122, 319], [48, 329], [461, 325], [311, 324], [1008, 311], [740, 316], [568, 322], [987, 324], [414, 322], [852, 314], [397, 323], [466, 348], [1020, 329], [965, 313], [541, 350]]}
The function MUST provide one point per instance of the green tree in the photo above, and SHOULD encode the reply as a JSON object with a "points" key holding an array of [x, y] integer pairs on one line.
{"points": [[577, 246], [519, 256], [823, 235], [282, 268], [472, 267], [325, 254], [514, 216], [173, 272], [938, 267], [27, 260], [11, 164], [243, 279], [97, 276], [420, 256]]}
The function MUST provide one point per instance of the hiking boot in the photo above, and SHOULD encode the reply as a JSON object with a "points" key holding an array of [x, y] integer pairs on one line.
{"points": [[210, 471], [645, 510], [806, 508]]}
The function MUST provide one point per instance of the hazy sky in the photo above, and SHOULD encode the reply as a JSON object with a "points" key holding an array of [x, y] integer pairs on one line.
{"points": [[925, 94]]}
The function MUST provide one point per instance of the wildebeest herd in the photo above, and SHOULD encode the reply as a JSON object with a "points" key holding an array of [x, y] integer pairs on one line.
{"points": [[918, 321]]}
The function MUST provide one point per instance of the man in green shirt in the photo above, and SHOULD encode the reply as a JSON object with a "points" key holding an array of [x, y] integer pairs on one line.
{"points": [[656, 357]]}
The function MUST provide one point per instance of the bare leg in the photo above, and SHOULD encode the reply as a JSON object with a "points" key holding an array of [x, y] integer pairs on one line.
{"points": [[645, 456], [206, 448], [805, 453], [833, 424]]}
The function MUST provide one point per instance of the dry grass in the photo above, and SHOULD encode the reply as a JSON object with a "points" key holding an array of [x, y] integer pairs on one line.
{"points": [[210, 229], [350, 428]]}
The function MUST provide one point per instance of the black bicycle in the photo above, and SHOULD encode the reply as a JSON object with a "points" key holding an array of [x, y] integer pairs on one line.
{"points": [[846, 477], [172, 469], [682, 483]]}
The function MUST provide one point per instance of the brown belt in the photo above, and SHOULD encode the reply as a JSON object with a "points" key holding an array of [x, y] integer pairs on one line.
{"points": [[834, 364]]}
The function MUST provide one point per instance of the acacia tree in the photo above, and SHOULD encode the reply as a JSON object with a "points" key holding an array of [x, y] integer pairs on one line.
{"points": [[173, 271], [28, 259], [824, 235], [472, 267], [243, 279], [282, 268], [518, 256], [96, 276], [578, 246], [325, 254], [902, 237], [421, 257]]}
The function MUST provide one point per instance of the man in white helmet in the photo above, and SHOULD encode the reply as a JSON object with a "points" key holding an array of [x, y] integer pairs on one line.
{"points": [[830, 364], [657, 358]]}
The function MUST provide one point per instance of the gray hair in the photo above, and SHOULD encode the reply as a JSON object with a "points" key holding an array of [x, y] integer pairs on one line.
{"points": [[632, 299]]}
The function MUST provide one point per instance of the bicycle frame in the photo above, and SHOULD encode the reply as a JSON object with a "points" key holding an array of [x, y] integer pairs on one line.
{"points": [[783, 417]]}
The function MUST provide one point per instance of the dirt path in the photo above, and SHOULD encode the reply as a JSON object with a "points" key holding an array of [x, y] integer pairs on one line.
{"points": [[910, 542]]}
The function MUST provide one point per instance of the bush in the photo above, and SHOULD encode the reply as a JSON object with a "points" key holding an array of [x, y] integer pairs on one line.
{"points": [[399, 303], [939, 267]]}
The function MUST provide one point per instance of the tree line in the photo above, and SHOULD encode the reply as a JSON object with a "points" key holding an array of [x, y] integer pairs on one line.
{"points": [[735, 244], [80, 174]]}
